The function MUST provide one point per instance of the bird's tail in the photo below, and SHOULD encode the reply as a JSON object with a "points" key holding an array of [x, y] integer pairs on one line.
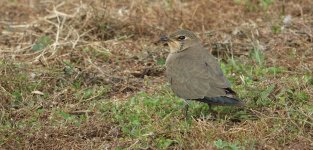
{"points": [[222, 100]]}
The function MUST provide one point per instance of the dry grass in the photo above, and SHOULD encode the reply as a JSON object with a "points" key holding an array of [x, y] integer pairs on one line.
{"points": [[87, 75]]}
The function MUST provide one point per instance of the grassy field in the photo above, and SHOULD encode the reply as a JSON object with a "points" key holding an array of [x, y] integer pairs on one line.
{"points": [[87, 74]]}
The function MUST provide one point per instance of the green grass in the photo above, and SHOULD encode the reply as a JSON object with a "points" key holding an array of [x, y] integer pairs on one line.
{"points": [[80, 92], [157, 119], [280, 109], [253, 5]]}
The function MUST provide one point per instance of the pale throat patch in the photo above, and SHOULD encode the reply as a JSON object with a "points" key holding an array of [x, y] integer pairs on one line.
{"points": [[175, 46]]}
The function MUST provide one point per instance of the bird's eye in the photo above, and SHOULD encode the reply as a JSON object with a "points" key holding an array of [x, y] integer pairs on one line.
{"points": [[181, 37]]}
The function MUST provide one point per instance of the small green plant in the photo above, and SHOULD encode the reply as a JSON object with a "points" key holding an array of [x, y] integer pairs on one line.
{"points": [[164, 143], [66, 116], [266, 3], [102, 54], [69, 68], [275, 70], [258, 56], [161, 61], [263, 99], [220, 144], [42, 43], [301, 96], [252, 5], [276, 29], [17, 97], [91, 93], [238, 1]]}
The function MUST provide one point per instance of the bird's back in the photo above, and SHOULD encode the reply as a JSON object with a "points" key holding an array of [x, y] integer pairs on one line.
{"points": [[195, 74]]}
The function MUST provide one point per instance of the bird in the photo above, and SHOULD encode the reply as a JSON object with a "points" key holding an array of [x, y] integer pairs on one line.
{"points": [[194, 73]]}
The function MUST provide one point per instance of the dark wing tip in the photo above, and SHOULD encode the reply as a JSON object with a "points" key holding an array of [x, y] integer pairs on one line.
{"points": [[222, 100]]}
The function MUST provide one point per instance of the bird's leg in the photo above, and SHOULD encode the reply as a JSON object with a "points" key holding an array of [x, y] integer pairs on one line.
{"points": [[186, 109], [210, 107], [213, 113]]}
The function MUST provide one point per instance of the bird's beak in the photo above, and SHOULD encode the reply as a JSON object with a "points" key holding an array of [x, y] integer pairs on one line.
{"points": [[164, 39]]}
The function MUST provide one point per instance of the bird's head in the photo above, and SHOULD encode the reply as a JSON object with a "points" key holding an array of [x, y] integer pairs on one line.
{"points": [[180, 40]]}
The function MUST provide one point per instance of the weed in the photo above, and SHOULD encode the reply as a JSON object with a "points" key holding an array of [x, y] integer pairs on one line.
{"points": [[252, 5], [225, 145], [42, 43]]}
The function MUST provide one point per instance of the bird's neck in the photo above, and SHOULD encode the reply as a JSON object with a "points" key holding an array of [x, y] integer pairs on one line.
{"points": [[191, 47], [175, 51]]}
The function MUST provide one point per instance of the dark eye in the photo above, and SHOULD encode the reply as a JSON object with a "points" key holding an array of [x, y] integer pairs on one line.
{"points": [[181, 37]]}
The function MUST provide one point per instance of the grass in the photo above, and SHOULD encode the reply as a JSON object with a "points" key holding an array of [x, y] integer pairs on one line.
{"points": [[156, 119], [88, 76]]}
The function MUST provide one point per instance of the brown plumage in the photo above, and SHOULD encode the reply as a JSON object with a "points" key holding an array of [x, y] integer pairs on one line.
{"points": [[194, 74]]}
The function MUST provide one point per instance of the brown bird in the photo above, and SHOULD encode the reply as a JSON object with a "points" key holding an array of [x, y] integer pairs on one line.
{"points": [[194, 74]]}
